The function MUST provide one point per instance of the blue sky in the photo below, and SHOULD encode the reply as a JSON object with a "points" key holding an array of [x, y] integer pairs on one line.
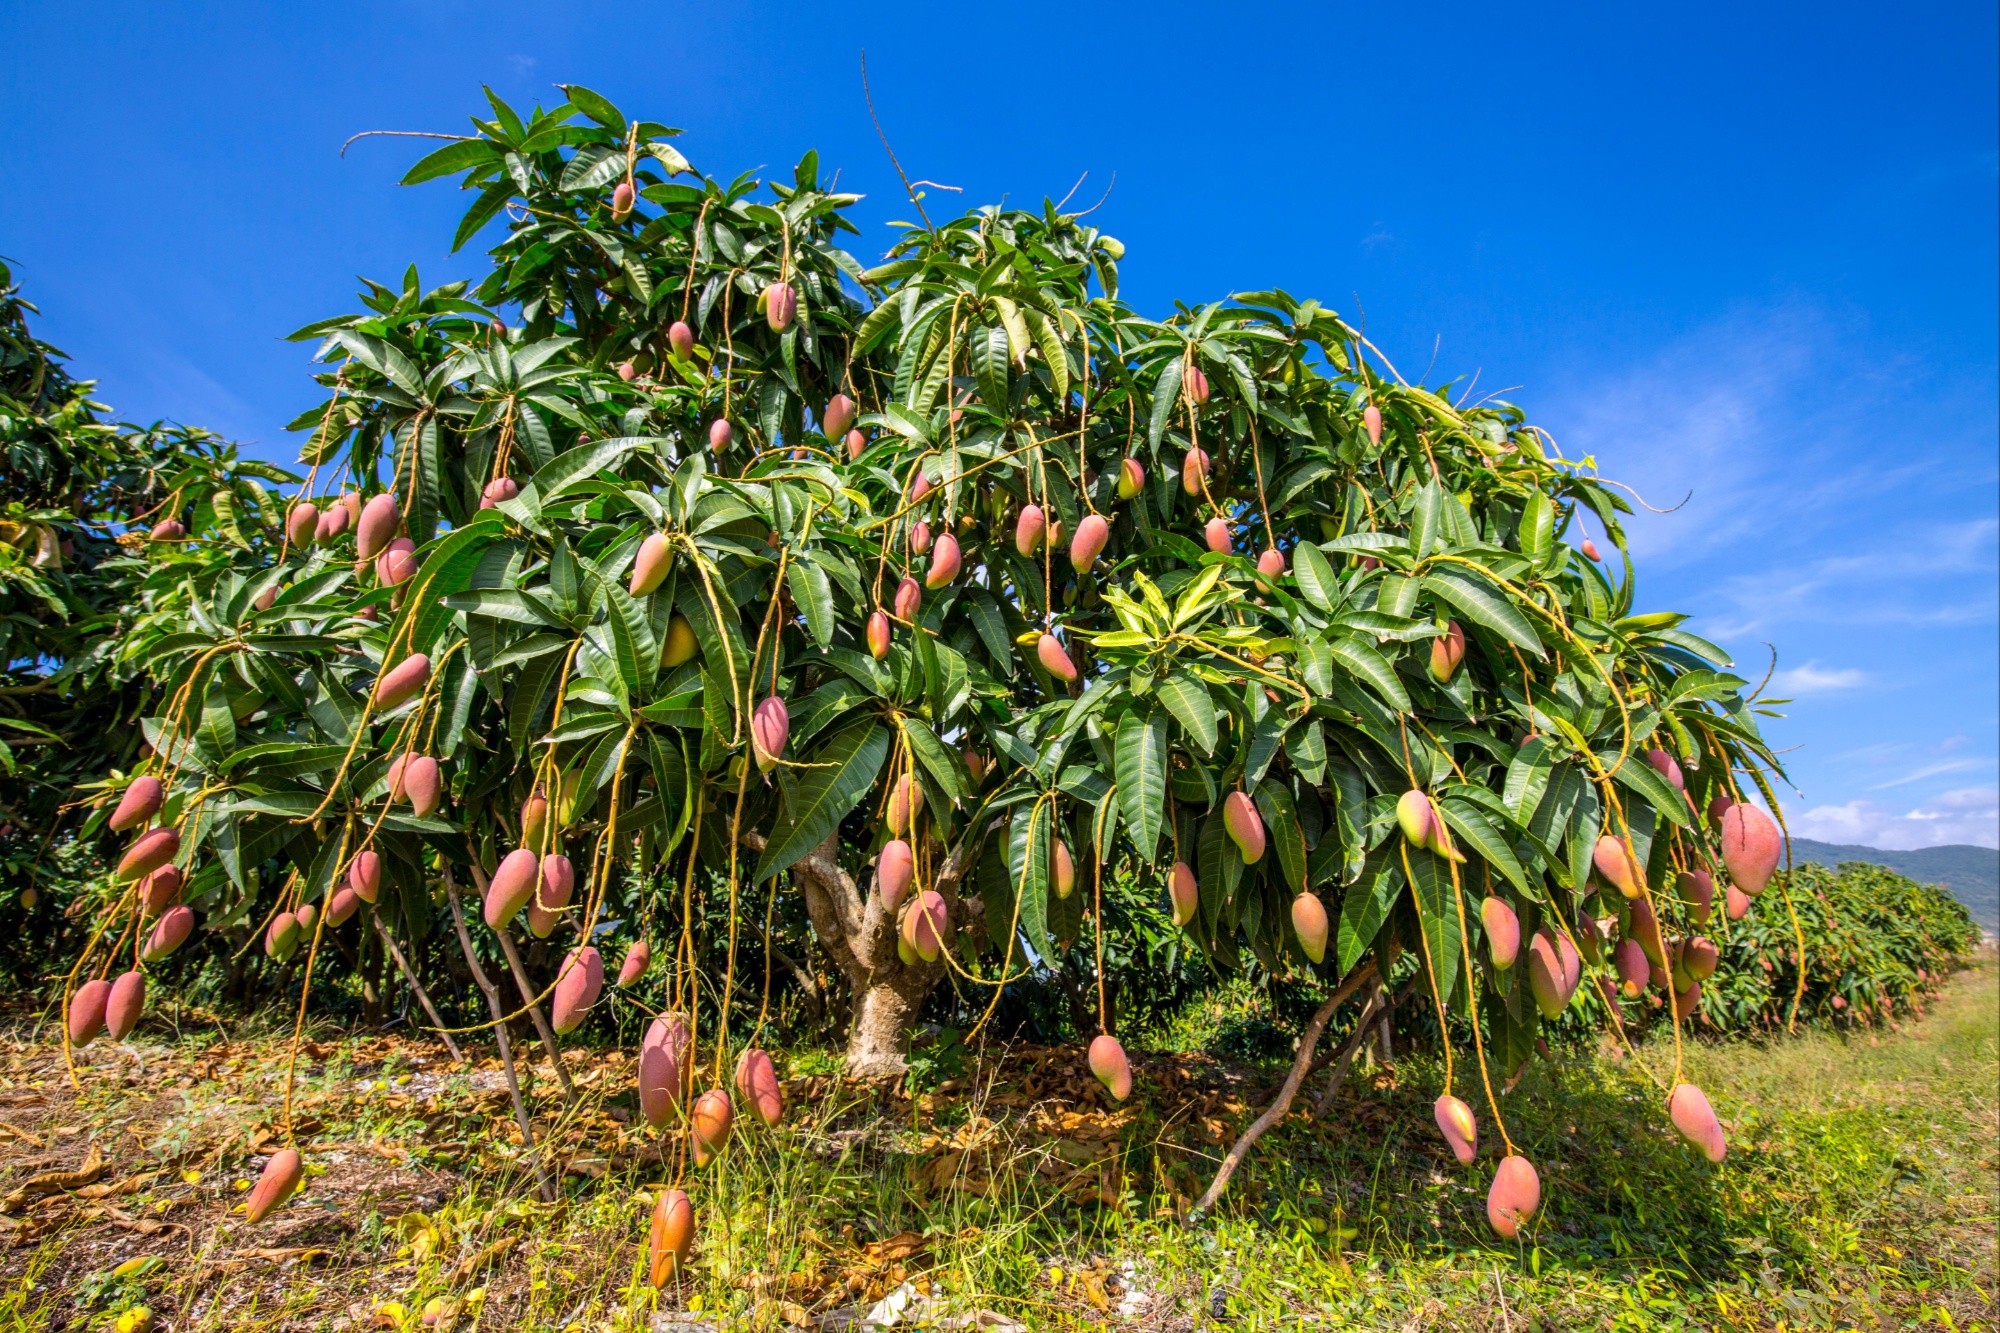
{"points": [[1740, 254]]}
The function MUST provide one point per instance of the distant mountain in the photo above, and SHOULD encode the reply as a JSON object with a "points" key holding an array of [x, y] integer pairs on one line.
{"points": [[1971, 873]]}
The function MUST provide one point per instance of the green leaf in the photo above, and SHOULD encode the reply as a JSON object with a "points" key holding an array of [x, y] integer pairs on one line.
{"points": [[1473, 825], [1437, 913], [534, 686], [936, 759], [461, 156], [1289, 840], [597, 107], [633, 647], [1307, 747], [1536, 534], [1141, 767], [1166, 392], [987, 350], [717, 732], [839, 774], [992, 627], [1360, 658], [1528, 777], [823, 707], [484, 209], [1316, 665], [814, 595], [1317, 582], [1367, 905], [583, 461], [1192, 706], [217, 731], [1426, 519], [1265, 738], [285, 760], [1029, 855], [1485, 605], [1218, 871], [1693, 643], [507, 604], [447, 569], [1636, 775], [1398, 596]]}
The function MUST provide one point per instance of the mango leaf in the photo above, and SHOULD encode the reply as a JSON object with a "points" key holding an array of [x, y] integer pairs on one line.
{"points": [[1317, 582], [583, 461], [1192, 706], [938, 761], [461, 156], [1281, 822], [1363, 661], [1437, 913], [814, 596], [1029, 856], [447, 570], [1141, 767], [1640, 777], [1367, 905], [633, 647], [1484, 605], [1528, 777], [840, 774], [1479, 834], [1307, 747], [1426, 519], [1218, 871], [1166, 392]]}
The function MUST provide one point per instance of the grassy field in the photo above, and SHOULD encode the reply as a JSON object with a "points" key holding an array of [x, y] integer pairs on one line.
{"points": [[1859, 1192]]}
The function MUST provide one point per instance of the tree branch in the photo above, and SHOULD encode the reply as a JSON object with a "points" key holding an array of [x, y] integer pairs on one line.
{"points": [[409, 975], [1378, 1010], [1300, 1063], [535, 1012], [499, 1012]]}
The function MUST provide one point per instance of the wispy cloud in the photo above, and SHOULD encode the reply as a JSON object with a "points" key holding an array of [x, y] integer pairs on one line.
{"points": [[1838, 511], [1800, 500], [1929, 771], [1812, 678]]}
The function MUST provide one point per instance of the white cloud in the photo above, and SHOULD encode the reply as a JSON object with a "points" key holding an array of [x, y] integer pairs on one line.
{"points": [[1812, 678], [1969, 814], [1930, 771]]}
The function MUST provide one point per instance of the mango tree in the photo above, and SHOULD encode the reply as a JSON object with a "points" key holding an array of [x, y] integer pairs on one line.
{"points": [[683, 548]]}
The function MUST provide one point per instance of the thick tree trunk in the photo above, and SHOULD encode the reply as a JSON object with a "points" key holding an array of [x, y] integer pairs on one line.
{"points": [[859, 935], [885, 1010]]}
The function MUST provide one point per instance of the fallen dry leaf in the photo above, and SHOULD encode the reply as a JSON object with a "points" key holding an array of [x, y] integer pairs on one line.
{"points": [[55, 1182], [490, 1254], [129, 1185], [902, 1245], [304, 1254]]}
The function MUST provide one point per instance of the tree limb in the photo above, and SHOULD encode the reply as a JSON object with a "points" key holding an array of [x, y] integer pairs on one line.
{"points": [[423, 996], [1300, 1063], [499, 1011], [1378, 1009], [535, 1012]]}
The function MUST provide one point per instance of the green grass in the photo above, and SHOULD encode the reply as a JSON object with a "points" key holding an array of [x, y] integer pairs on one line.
{"points": [[1859, 1192]]}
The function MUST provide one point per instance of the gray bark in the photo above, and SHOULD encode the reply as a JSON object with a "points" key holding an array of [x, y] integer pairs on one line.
{"points": [[859, 935]]}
